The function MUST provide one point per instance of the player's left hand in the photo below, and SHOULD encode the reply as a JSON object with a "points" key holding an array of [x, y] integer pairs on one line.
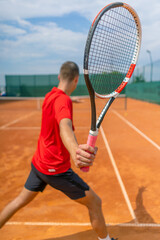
{"points": [[77, 100]]}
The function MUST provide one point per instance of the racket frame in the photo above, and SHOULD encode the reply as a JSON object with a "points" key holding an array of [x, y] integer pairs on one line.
{"points": [[96, 124], [115, 93]]}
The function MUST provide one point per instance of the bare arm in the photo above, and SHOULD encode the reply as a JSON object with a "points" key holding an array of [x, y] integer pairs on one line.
{"points": [[77, 99], [78, 153]]}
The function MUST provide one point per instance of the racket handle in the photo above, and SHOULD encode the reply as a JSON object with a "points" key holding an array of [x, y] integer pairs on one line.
{"points": [[91, 142]]}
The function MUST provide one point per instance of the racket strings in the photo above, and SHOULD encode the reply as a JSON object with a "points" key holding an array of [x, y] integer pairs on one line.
{"points": [[131, 21], [112, 50], [116, 49]]}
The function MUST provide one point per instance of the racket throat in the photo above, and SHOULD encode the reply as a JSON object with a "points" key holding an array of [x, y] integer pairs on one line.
{"points": [[93, 133], [92, 100], [104, 111]]}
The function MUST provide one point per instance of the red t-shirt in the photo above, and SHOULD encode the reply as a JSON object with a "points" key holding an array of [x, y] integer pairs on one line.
{"points": [[51, 156]]}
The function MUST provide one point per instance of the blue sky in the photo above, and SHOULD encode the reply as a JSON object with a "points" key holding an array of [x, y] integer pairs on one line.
{"points": [[37, 36]]}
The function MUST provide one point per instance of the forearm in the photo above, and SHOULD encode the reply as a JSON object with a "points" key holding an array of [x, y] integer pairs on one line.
{"points": [[68, 137], [82, 155]]}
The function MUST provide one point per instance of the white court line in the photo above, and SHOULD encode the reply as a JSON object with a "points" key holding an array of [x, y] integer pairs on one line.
{"points": [[118, 177], [137, 130], [140, 225], [21, 128], [31, 128], [49, 223], [17, 120]]}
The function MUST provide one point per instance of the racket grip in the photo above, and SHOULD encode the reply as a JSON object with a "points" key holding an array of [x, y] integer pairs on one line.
{"points": [[91, 142]]}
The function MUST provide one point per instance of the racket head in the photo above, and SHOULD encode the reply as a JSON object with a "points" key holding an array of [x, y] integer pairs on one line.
{"points": [[112, 50]]}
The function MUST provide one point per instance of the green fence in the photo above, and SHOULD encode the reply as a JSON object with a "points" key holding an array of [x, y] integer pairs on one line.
{"points": [[147, 73], [37, 85], [148, 91]]}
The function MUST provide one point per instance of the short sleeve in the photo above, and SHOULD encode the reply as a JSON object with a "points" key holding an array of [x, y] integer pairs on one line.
{"points": [[63, 108]]}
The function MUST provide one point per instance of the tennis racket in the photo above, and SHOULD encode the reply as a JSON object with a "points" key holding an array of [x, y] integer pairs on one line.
{"points": [[110, 57]]}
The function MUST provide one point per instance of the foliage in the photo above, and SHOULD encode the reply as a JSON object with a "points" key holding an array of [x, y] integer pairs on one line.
{"points": [[138, 79]]}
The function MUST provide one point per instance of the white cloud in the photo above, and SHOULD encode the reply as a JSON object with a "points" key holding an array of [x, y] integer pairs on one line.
{"points": [[36, 8], [10, 30], [40, 43], [37, 48], [46, 39]]}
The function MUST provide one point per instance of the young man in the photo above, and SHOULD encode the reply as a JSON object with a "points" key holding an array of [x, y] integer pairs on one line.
{"points": [[51, 161]]}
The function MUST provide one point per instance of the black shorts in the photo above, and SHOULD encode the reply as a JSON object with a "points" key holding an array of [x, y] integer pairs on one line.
{"points": [[69, 183]]}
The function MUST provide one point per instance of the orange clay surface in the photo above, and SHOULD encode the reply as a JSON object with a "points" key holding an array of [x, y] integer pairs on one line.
{"points": [[52, 215]]}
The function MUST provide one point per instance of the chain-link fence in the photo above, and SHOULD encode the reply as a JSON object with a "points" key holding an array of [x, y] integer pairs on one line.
{"points": [[145, 83], [147, 73], [37, 85]]}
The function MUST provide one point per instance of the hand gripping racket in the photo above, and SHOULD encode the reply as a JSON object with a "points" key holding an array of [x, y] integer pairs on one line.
{"points": [[110, 57]]}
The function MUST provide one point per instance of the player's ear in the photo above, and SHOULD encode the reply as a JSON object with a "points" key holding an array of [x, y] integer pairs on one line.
{"points": [[59, 77], [76, 79]]}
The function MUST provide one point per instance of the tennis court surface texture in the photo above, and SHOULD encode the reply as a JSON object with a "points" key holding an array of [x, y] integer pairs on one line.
{"points": [[125, 174]]}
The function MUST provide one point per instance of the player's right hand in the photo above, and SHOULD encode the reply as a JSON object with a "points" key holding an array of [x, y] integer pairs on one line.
{"points": [[85, 155]]}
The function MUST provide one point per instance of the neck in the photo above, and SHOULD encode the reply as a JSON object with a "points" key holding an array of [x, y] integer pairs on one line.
{"points": [[65, 88]]}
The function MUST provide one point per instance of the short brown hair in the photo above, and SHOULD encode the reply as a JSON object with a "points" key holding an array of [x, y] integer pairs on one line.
{"points": [[69, 70]]}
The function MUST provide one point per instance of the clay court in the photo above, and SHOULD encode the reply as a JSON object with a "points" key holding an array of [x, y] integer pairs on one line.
{"points": [[125, 174]]}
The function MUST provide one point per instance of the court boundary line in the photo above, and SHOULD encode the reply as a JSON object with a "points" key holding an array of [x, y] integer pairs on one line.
{"points": [[124, 192], [140, 225], [32, 128], [16, 120], [137, 130], [20, 128]]}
